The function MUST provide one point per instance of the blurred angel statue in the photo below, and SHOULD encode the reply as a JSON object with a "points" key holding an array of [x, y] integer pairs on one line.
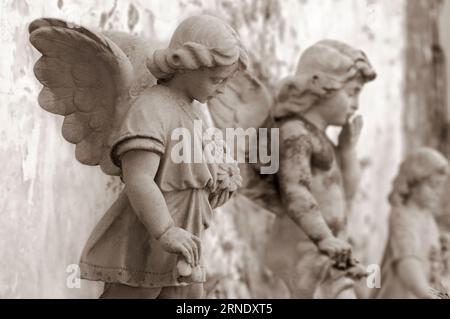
{"points": [[414, 262], [316, 179]]}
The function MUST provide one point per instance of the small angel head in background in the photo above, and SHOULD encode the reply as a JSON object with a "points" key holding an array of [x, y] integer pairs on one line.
{"points": [[329, 78], [203, 54], [421, 180]]}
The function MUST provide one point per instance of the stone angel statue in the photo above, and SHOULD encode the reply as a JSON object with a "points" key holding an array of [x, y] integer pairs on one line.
{"points": [[414, 259], [316, 179], [122, 99]]}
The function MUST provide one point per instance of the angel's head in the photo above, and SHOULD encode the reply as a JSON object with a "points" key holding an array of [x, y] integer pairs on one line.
{"points": [[203, 54], [421, 179], [329, 78]]}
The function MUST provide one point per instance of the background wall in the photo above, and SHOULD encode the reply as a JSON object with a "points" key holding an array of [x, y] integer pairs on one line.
{"points": [[444, 34], [49, 203], [427, 114], [443, 21]]}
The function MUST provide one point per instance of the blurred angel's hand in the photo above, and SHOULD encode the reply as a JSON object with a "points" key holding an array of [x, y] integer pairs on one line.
{"points": [[356, 271], [338, 250]]}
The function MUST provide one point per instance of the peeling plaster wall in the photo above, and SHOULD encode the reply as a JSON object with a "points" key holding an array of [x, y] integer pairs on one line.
{"points": [[444, 32], [49, 203]]}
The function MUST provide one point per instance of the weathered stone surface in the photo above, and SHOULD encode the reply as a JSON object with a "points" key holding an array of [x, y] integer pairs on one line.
{"points": [[49, 203]]}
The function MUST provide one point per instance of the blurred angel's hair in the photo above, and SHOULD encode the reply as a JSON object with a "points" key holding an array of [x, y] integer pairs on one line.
{"points": [[323, 69], [419, 165], [199, 41]]}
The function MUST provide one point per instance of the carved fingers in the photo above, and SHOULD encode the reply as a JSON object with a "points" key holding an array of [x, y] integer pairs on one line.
{"points": [[356, 270], [338, 250], [350, 133], [179, 241]]}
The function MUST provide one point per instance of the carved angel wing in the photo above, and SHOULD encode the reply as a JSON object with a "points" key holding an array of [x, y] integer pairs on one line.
{"points": [[247, 103], [89, 80]]}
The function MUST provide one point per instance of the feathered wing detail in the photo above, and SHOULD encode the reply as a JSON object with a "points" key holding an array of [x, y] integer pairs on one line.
{"points": [[89, 80], [138, 50], [246, 104]]}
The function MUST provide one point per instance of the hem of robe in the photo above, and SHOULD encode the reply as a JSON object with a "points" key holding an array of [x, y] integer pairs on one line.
{"points": [[134, 278]]}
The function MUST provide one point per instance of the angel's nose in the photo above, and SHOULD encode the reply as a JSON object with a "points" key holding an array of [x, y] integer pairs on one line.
{"points": [[354, 104], [220, 90]]}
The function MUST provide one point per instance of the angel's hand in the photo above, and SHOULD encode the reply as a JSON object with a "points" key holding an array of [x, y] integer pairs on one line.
{"points": [[179, 241], [186, 274], [218, 200], [356, 271], [349, 136], [338, 250]]}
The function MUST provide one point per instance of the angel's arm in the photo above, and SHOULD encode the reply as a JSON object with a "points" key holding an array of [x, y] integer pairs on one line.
{"points": [[406, 249], [347, 157], [413, 277], [351, 171], [295, 178], [139, 169]]}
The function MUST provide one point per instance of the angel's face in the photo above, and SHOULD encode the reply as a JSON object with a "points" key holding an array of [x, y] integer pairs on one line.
{"points": [[342, 104], [428, 193], [205, 83]]}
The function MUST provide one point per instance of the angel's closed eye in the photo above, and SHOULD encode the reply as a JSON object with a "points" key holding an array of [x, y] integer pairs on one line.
{"points": [[354, 91]]}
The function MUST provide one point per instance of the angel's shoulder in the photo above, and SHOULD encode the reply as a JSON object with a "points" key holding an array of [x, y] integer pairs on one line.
{"points": [[294, 125], [156, 98], [151, 108], [295, 130], [154, 104]]}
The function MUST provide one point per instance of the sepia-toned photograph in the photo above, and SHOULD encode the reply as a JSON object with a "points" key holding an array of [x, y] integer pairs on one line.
{"points": [[225, 149]]}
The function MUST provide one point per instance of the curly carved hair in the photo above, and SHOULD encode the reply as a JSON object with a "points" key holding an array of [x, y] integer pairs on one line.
{"points": [[323, 69], [419, 165], [199, 41]]}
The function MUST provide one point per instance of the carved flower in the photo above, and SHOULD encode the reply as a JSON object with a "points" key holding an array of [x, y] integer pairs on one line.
{"points": [[229, 176], [227, 169], [214, 149]]}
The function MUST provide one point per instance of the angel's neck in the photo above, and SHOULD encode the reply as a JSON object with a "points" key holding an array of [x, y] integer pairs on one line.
{"points": [[316, 119], [179, 90]]}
